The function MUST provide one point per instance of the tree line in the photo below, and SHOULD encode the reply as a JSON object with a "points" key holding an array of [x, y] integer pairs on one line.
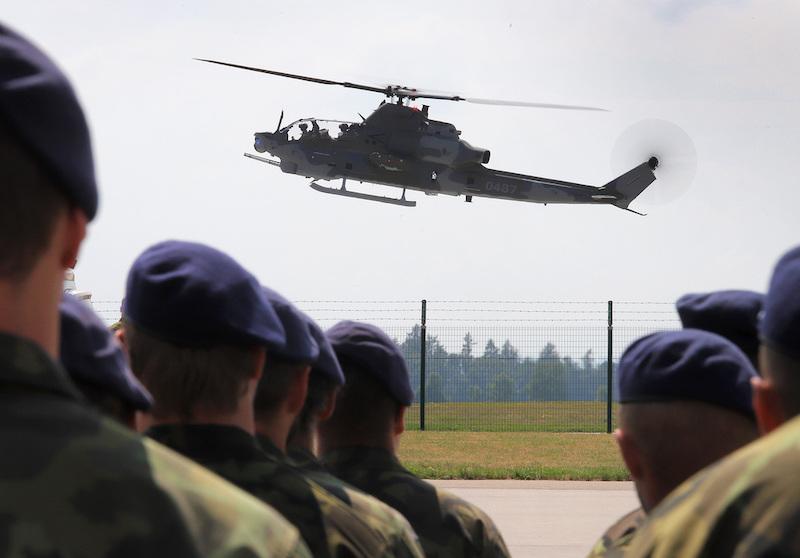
{"points": [[501, 374]]}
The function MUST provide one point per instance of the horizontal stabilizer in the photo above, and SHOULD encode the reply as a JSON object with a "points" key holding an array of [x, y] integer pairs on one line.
{"points": [[629, 185]]}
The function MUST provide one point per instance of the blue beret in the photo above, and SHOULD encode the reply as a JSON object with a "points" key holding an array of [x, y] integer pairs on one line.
{"points": [[39, 107], [372, 350], [300, 347], [780, 325], [686, 365], [193, 295], [731, 314], [91, 355], [327, 364]]}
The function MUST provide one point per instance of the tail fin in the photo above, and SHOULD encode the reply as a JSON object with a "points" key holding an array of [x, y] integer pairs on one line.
{"points": [[629, 185]]}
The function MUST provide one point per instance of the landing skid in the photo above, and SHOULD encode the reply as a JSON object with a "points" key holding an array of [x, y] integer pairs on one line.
{"points": [[370, 197]]}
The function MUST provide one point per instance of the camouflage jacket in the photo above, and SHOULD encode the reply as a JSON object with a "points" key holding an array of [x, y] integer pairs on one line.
{"points": [[446, 525], [76, 484], [329, 527], [748, 504], [617, 537], [387, 520]]}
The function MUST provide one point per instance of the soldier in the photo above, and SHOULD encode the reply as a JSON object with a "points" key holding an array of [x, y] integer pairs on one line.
{"points": [[72, 482], [685, 402], [95, 362], [306, 343], [733, 314], [359, 442], [198, 328], [749, 503]]}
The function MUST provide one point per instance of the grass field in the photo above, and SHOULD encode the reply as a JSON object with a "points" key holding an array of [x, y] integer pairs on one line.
{"points": [[527, 416], [512, 455]]}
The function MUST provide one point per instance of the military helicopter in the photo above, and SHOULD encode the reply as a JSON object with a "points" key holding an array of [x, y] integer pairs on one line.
{"points": [[399, 145]]}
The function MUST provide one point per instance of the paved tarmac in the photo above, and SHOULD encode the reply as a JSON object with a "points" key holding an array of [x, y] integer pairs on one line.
{"points": [[557, 519]]}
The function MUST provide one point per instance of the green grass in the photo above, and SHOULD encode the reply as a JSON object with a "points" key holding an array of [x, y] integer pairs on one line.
{"points": [[528, 416], [512, 455]]}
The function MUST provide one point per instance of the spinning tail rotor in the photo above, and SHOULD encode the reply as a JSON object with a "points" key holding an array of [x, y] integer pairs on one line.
{"points": [[669, 151]]}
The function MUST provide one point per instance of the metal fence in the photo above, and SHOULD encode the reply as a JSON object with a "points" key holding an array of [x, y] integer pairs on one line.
{"points": [[503, 365]]}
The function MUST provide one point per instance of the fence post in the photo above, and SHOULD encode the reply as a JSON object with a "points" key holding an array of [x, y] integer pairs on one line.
{"points": [[609, 365], [422, 342]]}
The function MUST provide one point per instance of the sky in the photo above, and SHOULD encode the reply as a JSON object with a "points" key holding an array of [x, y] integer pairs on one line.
{"points": [[169, 133]]}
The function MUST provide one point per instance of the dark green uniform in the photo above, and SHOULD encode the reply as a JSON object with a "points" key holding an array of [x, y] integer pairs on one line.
{"points": [[75, 484], [446, 525], [399, 534], [748, 504], [617, 537], [329, 527]]}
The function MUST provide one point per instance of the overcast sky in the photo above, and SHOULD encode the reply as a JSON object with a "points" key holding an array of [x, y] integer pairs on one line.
{"points": [[169, 134]]}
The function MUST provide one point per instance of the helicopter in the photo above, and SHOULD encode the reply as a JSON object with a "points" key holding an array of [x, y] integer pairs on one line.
{"points": [[400, 145]]}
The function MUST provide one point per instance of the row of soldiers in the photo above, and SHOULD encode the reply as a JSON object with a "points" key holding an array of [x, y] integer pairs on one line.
{"points": [[265, 436], [219, 420], [709, 427]]}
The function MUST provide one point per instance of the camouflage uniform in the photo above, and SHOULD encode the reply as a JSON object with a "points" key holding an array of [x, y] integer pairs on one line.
{"points": [[330, 528], [446, 525], [75, 484], [398, 532], [617, 537], [745, 505]]}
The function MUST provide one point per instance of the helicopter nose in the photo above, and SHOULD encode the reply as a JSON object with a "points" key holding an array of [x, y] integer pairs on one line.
{"points": [[263, 142]]}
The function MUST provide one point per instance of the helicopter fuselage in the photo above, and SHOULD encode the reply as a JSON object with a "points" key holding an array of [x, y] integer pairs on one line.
{"points": [[399, 146]]}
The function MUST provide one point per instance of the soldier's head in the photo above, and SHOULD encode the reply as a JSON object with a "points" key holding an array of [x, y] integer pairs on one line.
{"points": [[370, 408], [197, 326], [777, 394], [733, 314], [97, 365], [685, 402], [324, 382], [48, 188], [283, 387]]}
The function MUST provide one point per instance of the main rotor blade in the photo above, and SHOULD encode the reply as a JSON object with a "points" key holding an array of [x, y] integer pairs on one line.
{"points": [[400, 91], [300, 77], [442, 95], [527, 104]]}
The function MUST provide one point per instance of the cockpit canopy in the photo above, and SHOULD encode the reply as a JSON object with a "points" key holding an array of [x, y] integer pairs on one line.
{"points": [[326, 128]]}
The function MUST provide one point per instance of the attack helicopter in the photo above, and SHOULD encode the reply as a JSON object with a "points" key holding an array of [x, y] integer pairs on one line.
{"points": [[400, 145]]}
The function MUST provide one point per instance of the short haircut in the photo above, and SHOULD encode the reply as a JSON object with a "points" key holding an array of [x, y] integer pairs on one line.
{"points": [[678, 438], [273, 388], [28, 211], [364, 407], [184, 381], [320, 387], [783, 371]]}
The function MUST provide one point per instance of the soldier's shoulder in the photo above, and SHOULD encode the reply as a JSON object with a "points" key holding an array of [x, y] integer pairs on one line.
{"points": [[78, 461], [620, 534], [217, 512], [351, 532], [478, 527], [740, 505], [387, 520]]}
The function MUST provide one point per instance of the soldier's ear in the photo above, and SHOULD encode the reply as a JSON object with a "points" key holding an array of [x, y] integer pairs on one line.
{"points": [[630, 453], [329, 406], [399, 420], [767, 405], [74, 232], [298, 390]]}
